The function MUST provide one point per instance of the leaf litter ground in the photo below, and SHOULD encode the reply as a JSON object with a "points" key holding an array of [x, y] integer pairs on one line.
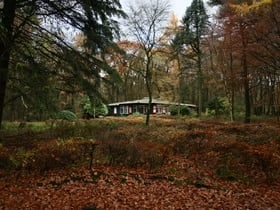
{"points": [[183, 182], [121, 188]]}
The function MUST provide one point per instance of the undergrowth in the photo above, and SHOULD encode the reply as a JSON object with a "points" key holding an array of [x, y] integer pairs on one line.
{"points": [[234, 152]]}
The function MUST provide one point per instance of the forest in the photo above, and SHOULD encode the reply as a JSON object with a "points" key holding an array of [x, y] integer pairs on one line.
{"points": [[63, 62], [55, 58]]}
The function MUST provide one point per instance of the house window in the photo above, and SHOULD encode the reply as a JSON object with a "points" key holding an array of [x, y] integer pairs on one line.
{"points": [[159, 110], [142, 109], [134, 109], [154, 109], [123, 109]]}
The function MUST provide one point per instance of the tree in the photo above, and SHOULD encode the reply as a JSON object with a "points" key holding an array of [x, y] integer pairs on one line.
{"points": [[193, 30], [145, 22], [94, 110], [248, 51], [222, 63], [129, 65], [7, 15], [266, 54], [95, 19], [177, 54]]}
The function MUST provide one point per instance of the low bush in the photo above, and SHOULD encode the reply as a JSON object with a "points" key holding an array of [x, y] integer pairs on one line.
{"points": [[93, 108], [249, 161], [179, 110], [64, 129], [57, 156], [133, 154], [22, 159], [217, 106], [61, 153], [195, 141], [67, 115], [233, 151]]}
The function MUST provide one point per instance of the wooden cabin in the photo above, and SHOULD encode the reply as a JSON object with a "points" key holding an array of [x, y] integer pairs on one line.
{"points": [[140, 106]]}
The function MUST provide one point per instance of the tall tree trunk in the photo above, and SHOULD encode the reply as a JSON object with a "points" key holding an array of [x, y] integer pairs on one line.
{"points": [[149, 88], [149, 108], [180, 85], [232, 84], [246, 82], [5, 48], [232, 117], [200, 84], [199, 66]]}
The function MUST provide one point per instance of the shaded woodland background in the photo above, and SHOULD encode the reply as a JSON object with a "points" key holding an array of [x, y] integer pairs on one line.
{"points": [[73, 55]]}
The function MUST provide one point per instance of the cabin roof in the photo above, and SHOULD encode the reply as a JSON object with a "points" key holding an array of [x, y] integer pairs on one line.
{"points": [[145, 100]]}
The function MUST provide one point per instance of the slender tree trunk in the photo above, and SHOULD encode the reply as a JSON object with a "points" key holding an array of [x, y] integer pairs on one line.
{"points": [[125, 87], [247, 96], [246, 83], [245, 77], [261, 96], [179, 85], [149, 88], [149, 109], [5, 48], [232, 117], [232, 83], [4, 63], [200, 84], [199, 73]]}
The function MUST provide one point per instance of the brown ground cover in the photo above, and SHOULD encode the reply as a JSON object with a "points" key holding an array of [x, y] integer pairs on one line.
{"points": [[176, 163]]}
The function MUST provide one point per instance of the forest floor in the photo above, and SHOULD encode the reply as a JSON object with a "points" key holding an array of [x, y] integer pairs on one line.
{"points": [[174, 164]]}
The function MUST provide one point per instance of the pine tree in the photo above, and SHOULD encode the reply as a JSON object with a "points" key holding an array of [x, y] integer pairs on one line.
{"points": [[95, 19], [194, 27]]}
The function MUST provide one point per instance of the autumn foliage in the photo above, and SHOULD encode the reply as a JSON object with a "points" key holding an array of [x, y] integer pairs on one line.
{"points": [[119, 163]]}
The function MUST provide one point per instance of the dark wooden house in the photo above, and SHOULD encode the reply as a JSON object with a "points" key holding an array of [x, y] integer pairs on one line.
{"points": [[140, 106]]}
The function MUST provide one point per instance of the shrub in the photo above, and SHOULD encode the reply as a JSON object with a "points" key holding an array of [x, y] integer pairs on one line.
{"points": [[22, 159], [93, 108], [67, 115], [193, 142], [69, 107], [217, 106], [185, 110], [246, 160], [175, 109], [120, 152], [265, 158], [137, 114], [133, 154], [65, 153], [55, 157]]}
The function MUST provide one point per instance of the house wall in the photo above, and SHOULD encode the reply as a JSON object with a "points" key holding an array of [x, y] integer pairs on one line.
{"points": [[125, 110]]}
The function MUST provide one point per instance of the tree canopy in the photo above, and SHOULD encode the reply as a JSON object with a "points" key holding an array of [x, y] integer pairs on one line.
{"points": [[55, 53], [33, 29]]}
